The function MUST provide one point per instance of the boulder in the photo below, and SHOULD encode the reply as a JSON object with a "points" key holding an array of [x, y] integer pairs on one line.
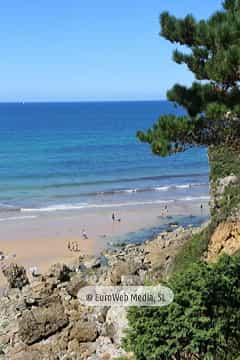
{"points": [[116, 323], [131, 280], [121, 268], [226, 181], [16, 275], [83, 331], [41, 322], [106, 350], [75, 284]]}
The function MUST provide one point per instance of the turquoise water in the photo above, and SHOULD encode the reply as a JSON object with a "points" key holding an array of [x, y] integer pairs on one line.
{"points": [[58, 156], [150, 233]]}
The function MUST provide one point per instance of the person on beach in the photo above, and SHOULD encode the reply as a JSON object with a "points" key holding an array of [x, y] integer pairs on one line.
{"points": [[166, 210], [84, 234], [34, 271], [113, 217], [201, 207]]}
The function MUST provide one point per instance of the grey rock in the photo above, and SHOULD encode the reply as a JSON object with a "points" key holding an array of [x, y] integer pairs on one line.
{"points": [[83, 331], [116, 323], [41, 322], [131, 280], [16, 276], [75, 284]]}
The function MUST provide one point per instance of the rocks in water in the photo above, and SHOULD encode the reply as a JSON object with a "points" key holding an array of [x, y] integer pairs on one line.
{"points": [[16, 276], [41, 322], [173, 224]]}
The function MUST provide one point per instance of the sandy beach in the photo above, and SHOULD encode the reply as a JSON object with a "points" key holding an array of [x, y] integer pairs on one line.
{"points": [[41, 239]]}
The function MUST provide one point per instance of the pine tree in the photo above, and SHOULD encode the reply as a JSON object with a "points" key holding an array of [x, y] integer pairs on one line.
{"points": [[212, 103]]}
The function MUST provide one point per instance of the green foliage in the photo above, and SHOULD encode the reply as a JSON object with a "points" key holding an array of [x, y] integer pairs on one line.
{"points": [[229, 203], [203, 322], [212, 107], [192, 250], [224, 161]]}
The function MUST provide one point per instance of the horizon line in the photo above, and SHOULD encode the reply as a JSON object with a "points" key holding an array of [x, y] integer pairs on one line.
{"points": [[77, 101]]}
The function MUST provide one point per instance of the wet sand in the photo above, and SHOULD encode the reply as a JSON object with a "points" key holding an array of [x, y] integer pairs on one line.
{"points": [[42, 238]]}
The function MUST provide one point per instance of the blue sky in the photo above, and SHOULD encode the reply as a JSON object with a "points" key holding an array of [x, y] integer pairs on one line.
{"points": [[55, 50]]}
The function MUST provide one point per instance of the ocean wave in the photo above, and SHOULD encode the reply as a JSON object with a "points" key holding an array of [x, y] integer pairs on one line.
{"points": [[192, 198], [56, 207], [148, 188], [18, 218], [130, 191], [119, 181], [66, 207]]}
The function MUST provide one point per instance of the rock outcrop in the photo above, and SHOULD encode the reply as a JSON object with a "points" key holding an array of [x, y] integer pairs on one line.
{"points": [[225, 239], [16, 276], [45, 320], [39, 323]]}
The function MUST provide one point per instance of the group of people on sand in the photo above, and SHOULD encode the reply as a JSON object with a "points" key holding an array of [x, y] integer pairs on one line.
{"points": [[74, 246]]}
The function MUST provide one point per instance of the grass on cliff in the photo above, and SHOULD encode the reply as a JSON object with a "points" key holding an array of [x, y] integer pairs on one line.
{"points": [[224, 161], [192, 250]]}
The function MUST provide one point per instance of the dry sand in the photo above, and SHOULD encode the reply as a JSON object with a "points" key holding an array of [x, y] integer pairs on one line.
{"points": [[43, 240]]}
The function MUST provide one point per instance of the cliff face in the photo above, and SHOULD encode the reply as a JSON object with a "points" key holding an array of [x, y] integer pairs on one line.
{"points": [[225, 202]]}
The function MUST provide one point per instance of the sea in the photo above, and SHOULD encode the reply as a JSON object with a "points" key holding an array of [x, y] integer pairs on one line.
{"points": [[68, 156]]}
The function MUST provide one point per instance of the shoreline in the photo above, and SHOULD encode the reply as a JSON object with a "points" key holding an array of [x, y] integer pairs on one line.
{"points": [[43, 241], [51, 301]]}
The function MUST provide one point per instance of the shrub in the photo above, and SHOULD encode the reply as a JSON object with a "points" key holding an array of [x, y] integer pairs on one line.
{"points": [[203, 322]]}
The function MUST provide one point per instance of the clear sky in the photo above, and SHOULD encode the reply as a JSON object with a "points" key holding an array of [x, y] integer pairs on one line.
{"points": [[55, 50]]}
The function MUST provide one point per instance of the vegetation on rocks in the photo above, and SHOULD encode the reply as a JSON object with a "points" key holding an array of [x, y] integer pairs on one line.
{"points": [[203, 322]]}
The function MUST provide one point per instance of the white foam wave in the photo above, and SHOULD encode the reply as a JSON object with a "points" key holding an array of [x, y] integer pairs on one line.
{"points": [[56, 208], [192, 198], [17, 218], [162, 188], [66, 207], [153, 188]]}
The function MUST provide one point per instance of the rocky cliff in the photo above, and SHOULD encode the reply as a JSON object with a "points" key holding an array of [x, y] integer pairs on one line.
{"points": [[43, 318], [225, 201]]}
